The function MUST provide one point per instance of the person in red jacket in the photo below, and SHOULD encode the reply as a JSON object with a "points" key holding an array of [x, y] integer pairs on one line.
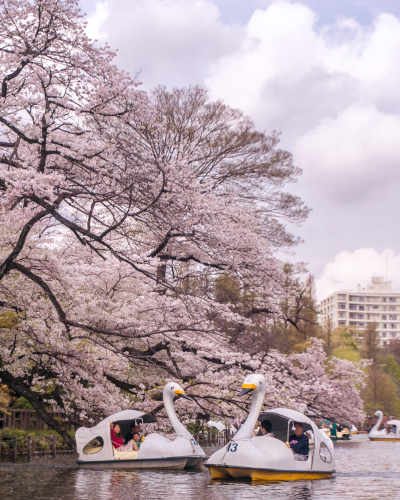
{"points": [[116, 436]]}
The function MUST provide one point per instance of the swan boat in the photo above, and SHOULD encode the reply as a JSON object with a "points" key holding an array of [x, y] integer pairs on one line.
{"points": [[331, 430], [383, 435], [156, 452], [270, 458]]}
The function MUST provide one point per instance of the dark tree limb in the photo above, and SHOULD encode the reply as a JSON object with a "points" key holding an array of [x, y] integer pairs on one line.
{"points": [[6, 265]]}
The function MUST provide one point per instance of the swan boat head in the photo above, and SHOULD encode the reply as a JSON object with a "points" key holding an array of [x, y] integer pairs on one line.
{"points": [[375, 432], [254, 384], [184, 444], [172, 390]]}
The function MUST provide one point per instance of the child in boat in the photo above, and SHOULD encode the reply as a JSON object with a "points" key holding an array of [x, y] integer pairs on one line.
{"points": [[136, 439], [135, 429]]}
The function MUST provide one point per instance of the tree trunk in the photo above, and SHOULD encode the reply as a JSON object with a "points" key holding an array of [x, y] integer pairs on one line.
{"points": [[17, 385]]}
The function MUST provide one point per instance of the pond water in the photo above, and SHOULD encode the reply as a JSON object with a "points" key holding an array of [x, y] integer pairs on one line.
{"points": [[365, 470]]}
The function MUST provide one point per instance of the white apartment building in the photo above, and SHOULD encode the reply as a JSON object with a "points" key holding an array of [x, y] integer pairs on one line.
{"points": [[374, 304]]}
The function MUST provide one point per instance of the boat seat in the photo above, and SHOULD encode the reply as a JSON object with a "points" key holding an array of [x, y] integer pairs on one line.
{"points": [[92, 449], [125, 455]]}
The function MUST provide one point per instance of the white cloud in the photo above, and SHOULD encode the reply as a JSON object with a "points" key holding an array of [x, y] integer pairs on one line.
{"points": [[171, 41], [333, 92], [96, 22], [352, 155], [350, 269]]}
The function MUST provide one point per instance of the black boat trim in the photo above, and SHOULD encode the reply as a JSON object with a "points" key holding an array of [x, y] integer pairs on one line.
{"points": [[131, 460]]}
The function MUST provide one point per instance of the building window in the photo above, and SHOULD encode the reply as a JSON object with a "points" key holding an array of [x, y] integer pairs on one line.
{"points": [[393, 325], [353, 315], [383, 299], [392, 299], [361, 308], [341, 306], [342, 315], [361, 325], [393, 316], [383, 316], [360, 316], [342, 323], [376, 307], [353, 307], [384, 343], [342, 296], [356, 298], [384, 325], [383, 334], [353, 323], [394, 335], [392, 308]]}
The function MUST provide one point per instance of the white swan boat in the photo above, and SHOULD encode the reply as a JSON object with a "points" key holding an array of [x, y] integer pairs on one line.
{"points": [[270, 458], [96, 450], [385, 435]]}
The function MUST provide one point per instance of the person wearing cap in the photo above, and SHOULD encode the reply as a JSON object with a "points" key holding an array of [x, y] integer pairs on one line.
{"points": [[298, 442]]}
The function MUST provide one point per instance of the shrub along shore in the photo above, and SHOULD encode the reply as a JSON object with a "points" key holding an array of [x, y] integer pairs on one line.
{"points": [[42, 442]]}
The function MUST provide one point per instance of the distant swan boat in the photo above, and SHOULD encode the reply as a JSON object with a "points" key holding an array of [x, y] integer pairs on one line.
{"points": [[383, 435]]}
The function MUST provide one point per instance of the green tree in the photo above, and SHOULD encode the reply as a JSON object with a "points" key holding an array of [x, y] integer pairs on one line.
{"points": [[370, 342], [340, 342], [380, 393], [392, 368], [299, 314], [4, 397]]}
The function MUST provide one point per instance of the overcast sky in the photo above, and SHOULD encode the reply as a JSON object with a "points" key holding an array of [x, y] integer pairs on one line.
{"points": [[326, 73]]}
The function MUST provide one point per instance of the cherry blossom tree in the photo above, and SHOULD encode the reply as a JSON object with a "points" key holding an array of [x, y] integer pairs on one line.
{"points": [[113, 238], [226, 151]]}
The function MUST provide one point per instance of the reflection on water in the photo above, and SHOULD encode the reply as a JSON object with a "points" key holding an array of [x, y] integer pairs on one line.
{"points": [[365, 471]]}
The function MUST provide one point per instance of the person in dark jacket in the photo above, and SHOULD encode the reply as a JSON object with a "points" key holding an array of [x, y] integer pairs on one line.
{"points": [[135, 428], [299, 442]]}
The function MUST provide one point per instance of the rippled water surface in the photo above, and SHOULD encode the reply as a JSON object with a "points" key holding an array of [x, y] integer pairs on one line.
{"points": [[365, 470]]}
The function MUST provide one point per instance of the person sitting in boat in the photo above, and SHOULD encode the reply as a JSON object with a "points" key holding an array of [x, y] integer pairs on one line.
{"points": [[135, 428], [391, 431], [266, 429], [298, 442], [137, 439], [117, 441]]}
